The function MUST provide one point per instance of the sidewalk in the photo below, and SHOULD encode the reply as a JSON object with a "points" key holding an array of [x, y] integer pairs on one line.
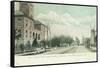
{"points": [[92, 49], [56, 50]]}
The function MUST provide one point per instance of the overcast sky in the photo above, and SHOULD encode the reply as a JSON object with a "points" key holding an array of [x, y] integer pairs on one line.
{"points": [[68, 20], [75, 21]]}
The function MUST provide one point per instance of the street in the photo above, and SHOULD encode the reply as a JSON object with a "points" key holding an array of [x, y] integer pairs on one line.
{"points": [[57, 55], [71, 49]]}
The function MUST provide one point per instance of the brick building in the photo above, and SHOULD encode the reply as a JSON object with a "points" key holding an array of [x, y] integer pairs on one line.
{"points": [[26, 28]]}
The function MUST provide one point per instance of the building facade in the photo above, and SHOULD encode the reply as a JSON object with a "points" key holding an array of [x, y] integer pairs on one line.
{"points": [[93, 38], [26, 28]]}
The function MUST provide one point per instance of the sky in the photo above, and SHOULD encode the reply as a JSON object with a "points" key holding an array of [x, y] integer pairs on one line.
{"points": [[68, 20]]}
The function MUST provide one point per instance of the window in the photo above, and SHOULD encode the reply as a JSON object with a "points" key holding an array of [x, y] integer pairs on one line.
{"points": [[33, 34], [30, 34], [38, 36], [26, 33], [26, 24], [19, 31], [19, 19]]}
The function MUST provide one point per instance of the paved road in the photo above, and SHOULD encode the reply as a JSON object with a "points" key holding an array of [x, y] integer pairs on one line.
{"points": [[78, 49], [63, 50], [59, 50], [67, 55], [72, 49]]}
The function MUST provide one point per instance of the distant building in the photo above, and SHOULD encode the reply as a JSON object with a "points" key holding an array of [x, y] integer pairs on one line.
{"points": [[93, 37], [83, 40], [90, 41], [26, 28]]}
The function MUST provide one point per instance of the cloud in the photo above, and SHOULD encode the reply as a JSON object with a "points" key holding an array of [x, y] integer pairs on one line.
{"points": [[65, 19], [51, 18], [66, 24], [54, 18]]}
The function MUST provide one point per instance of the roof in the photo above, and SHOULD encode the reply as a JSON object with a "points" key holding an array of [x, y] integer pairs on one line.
{"points": [[38, 22], [19, 13]]}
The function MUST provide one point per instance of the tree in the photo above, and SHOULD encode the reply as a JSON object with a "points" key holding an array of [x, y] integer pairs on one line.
{"points": [[69, 40], [22, 47], [43, 43], [77, 41], [28, 45], [87, 42], [35, 43], [56, 41]]}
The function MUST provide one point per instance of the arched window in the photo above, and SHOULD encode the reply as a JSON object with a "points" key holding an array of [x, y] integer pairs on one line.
{"points": [[30, 34], [26, 33], [33, 34], [38, 36]]}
